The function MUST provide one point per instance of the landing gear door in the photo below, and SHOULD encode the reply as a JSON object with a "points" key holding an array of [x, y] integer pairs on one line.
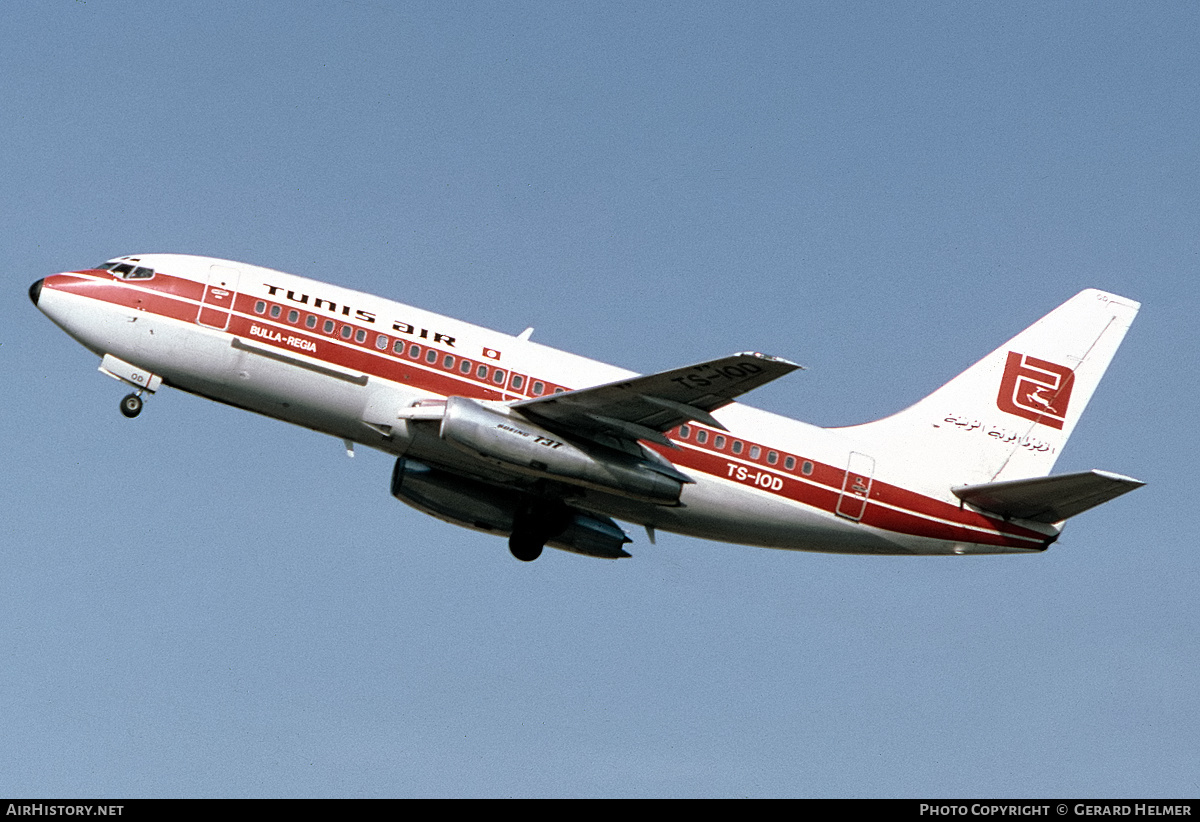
{"points": [[219, 295], [856, 486]]}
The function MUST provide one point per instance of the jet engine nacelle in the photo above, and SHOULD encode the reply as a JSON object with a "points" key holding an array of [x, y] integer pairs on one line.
{"points": [[482, 507], [513, 442]]}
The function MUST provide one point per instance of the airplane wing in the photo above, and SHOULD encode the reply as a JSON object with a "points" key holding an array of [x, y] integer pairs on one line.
{"points": [[641, 408]]}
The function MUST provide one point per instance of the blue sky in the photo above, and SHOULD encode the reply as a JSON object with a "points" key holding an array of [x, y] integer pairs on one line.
{"points": [[202, 602]]}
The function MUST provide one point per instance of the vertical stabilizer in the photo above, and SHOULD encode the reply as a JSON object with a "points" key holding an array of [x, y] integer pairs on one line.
{"points": [[1009, 415]]}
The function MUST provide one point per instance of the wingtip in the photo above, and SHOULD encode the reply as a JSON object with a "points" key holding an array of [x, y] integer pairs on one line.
{"points": [[770, 358]]}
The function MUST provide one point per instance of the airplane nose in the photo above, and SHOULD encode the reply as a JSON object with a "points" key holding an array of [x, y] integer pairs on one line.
{"points": [[35, 291]]}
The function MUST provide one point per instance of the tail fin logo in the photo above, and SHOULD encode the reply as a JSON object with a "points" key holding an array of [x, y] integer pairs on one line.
{"points": [[1035, 389]]}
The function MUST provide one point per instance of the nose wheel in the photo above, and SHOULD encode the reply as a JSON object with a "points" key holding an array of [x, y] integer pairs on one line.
{"points": [[131, 405]]}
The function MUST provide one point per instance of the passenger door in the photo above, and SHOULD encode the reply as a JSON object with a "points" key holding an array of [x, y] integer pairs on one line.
{"points": [[856, 486], [219, 294]]}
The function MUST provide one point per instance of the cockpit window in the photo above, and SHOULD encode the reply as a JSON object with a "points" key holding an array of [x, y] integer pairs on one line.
{"points": [[127, 271]]}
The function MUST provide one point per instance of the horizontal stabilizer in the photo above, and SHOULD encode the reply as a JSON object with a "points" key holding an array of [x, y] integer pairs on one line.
{"points": [[1047, 499]]}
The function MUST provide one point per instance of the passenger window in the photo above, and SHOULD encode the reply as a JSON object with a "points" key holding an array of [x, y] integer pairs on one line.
{"points": [[684, 432], [806, 468], [276, 311], [360, 336], [260, 307], [465, 367], [381, 342], [398, 347], [517, 382], [431, 357], [702, 436], [737, 447], [719, 442], [538, 388], [329, 326], [772, 457], [414, 351], [498, 376], [789, 462], [755, 452], [448, 362], [293, 316], [311, 321], [347, 332], [481, 372]]}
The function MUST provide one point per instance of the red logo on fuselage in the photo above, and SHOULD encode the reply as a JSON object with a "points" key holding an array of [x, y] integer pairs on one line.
{"points": [[1035, 389]]}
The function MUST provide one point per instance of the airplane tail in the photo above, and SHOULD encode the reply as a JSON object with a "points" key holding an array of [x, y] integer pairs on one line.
{"points": [[1008, 416]]}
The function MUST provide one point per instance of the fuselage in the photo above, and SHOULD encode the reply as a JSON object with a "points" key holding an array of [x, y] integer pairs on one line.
{"points": [[346, 364]]}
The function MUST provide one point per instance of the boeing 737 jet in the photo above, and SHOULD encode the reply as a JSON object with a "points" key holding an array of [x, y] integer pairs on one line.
{"points": [[503, 435]]}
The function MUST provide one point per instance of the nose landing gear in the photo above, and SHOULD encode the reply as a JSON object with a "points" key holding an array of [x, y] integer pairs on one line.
{"points": [[131, 405], [139, 378]]}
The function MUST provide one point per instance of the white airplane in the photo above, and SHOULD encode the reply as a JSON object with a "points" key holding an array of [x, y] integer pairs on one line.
{"points": [[500, 434]]}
